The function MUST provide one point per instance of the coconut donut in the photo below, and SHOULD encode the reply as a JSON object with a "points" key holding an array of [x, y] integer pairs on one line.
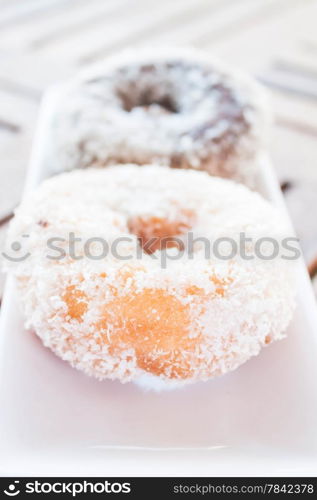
{"points": [[174, 107], [164, 314]]}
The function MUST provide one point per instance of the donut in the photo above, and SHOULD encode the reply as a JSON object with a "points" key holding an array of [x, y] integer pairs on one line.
{"points": [[178, 108], [161, 316]]}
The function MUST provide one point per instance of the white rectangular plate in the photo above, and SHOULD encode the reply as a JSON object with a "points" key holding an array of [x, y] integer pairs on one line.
{"points": [[259, 420]]}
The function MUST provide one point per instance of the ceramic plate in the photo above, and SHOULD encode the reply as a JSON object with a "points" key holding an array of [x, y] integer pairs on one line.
{"points": [[259, 420]]}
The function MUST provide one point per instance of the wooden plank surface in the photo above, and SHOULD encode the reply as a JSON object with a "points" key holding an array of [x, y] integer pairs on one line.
{"points": [[44, 41]]}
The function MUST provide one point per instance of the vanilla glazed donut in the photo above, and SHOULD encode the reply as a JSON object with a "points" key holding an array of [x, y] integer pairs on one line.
{"points": [[124, 315], [175, 107]]}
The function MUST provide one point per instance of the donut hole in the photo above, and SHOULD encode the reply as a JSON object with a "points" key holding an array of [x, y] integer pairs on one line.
{"points": [[156, 233], [150, 100]]}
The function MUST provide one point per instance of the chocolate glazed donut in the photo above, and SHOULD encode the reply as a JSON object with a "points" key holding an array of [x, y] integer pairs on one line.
{"points": [[177, 108]]}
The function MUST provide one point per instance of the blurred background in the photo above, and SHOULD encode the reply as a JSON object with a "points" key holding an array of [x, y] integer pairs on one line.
{"points": [[44, 41]]}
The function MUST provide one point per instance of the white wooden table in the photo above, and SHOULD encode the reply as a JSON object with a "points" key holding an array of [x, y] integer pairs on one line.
{"points": [[43, 41]]}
